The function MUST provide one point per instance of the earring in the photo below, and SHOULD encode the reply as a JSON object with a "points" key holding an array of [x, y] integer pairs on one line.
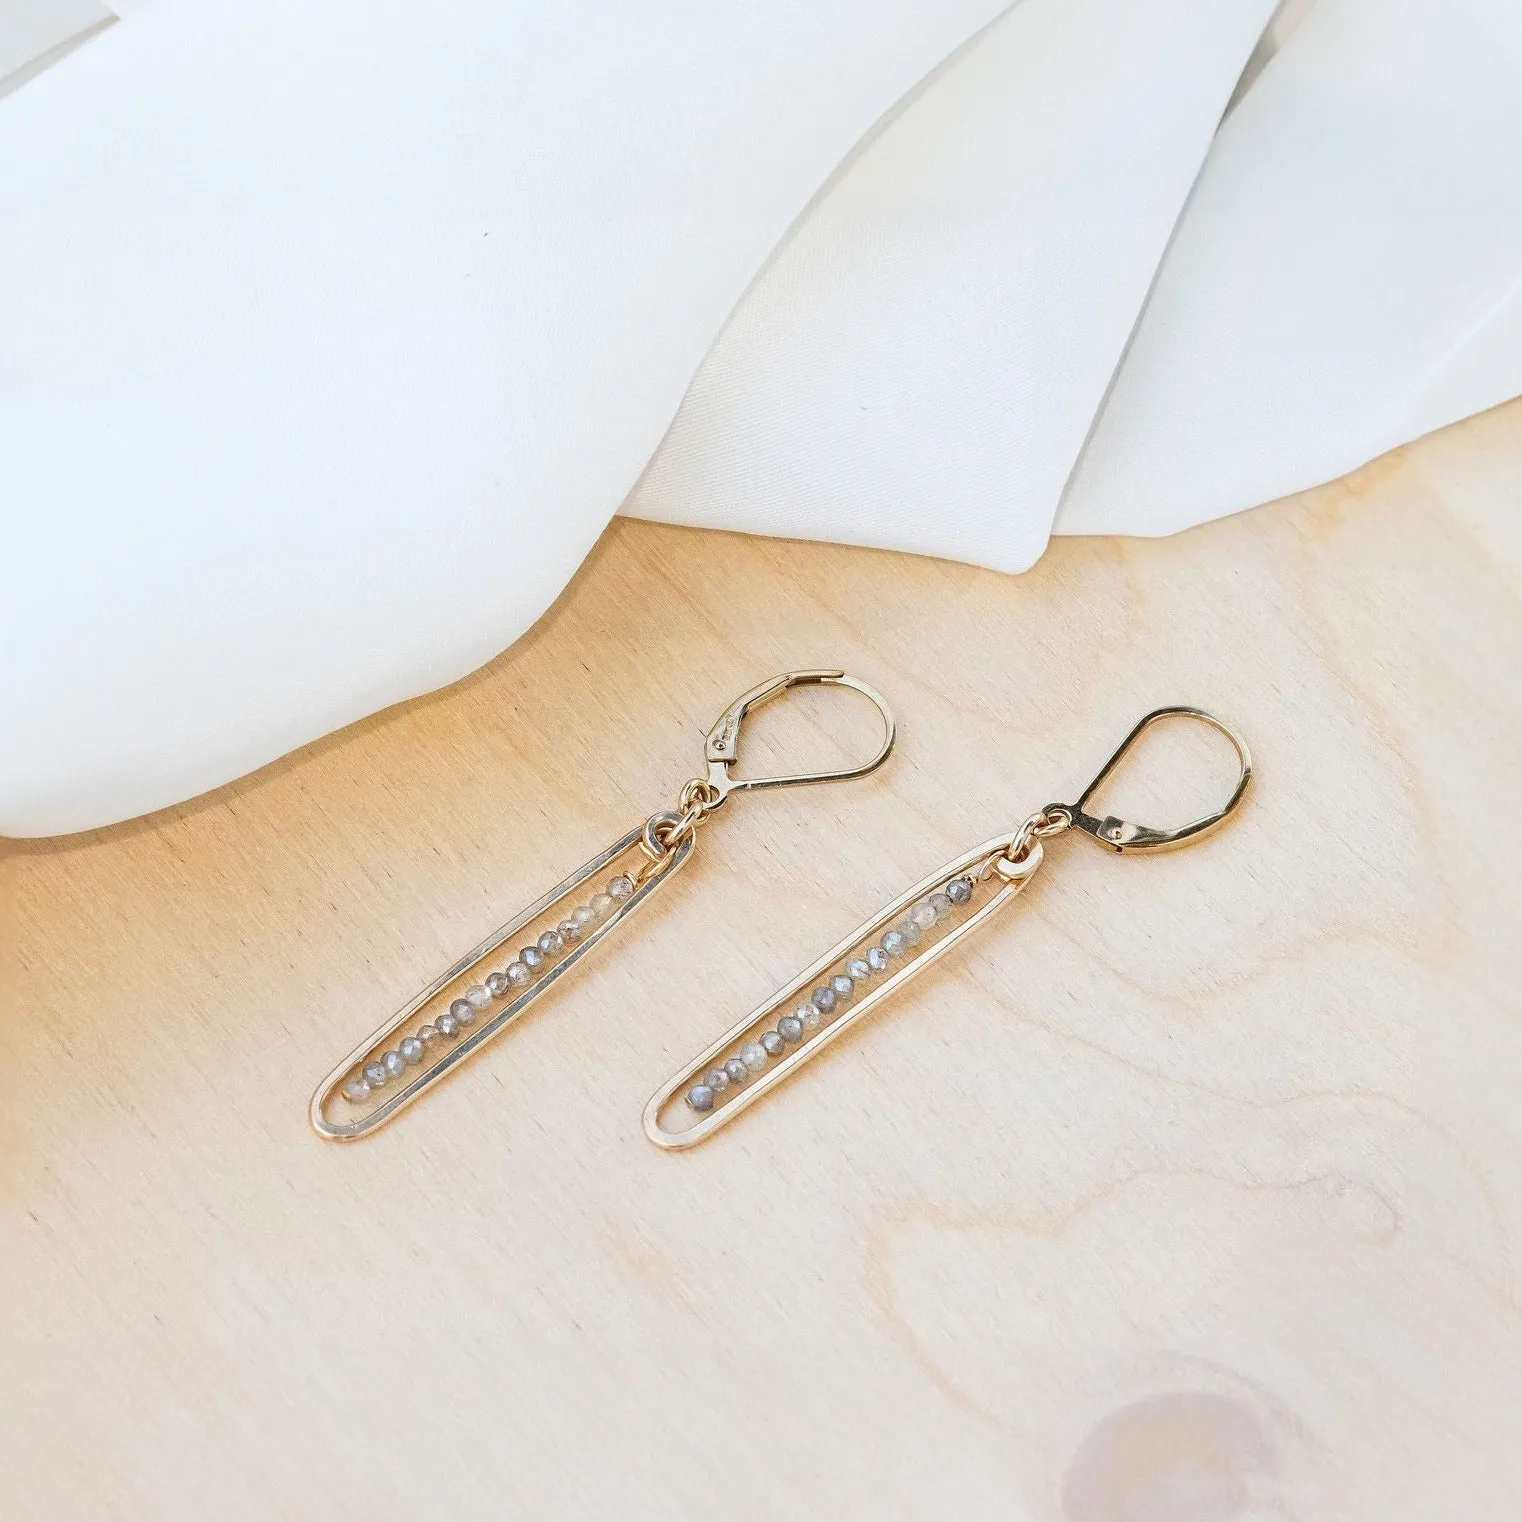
{"points": [[436, 1031], [897, 944]]}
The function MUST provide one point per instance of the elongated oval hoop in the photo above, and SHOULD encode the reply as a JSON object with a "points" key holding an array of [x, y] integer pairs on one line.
{"points": [[979, 861], [430, 1072]]}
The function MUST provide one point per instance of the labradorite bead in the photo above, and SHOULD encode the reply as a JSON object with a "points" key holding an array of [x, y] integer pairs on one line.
{"points": [[922, 915]]}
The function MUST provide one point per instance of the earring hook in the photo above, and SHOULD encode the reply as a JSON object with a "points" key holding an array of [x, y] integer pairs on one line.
{"points": [[1119, 835], [721, 748]]}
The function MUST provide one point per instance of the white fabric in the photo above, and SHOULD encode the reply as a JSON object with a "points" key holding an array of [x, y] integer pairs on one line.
{"points": [[334, 334], [921, 362], [1349, 274], [33, 32]]}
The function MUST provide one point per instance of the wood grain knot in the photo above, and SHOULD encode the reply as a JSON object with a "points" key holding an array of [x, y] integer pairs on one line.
{"points": [[1187, 1454]]}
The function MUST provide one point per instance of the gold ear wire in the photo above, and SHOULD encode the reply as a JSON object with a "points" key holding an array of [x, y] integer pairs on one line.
{"points": [[1117, 834]]}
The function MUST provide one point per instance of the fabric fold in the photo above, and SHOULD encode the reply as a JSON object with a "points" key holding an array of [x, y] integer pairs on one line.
{"points": [[1347, 276], [919, 365]]}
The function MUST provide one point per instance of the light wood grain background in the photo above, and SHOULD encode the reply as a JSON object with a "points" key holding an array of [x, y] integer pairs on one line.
{"points": [[1191, 1193]]}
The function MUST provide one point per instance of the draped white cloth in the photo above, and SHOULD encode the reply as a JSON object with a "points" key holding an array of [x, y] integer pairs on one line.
{"points": [[922, 360], [334, 335]]}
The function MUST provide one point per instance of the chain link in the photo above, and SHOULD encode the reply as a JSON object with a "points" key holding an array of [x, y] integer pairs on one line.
{"points": [[1044, 823], [665, 832]]}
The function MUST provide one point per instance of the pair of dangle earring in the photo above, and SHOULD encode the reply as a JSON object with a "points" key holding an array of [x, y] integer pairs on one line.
{"points": [[463, 1009], [437, 1030]]}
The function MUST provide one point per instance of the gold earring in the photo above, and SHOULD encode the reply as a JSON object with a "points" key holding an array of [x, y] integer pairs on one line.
{"points": [[895, 945], [437, 1030]]}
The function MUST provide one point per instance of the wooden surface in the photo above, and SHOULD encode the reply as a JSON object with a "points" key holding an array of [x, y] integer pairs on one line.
{"points": [[1191, 1193]]}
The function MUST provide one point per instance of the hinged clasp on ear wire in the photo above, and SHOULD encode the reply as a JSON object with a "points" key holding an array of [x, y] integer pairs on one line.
{"points": [[702, 795], [1119, 834], [721, 748]]}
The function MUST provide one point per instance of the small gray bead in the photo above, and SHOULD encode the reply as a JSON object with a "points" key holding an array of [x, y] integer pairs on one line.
{"points": [[621, 888], [427, 1035], [463, 1011], [877, 959], [570, 932], [551, 943], [411, 1050], [921, 915], [842, 985], [396, 1064], [602, 905], [940, 903], [959, 890], [753, 1055], [497, 984], [519, 975], [808, 1016], [532, 958], [700, 1097], [772, 1043], [584, 917], [716, 1079], [895, 943], [858, 969], [737, 1070], [356, 1088], [449, 1024], [823, 999], [910, 932], [375, 1074], [477, 997], [790, 1028]]}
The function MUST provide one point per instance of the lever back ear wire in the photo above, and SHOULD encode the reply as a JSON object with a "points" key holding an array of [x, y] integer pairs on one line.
{"points": [[436, 1030], [897, 944]]}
